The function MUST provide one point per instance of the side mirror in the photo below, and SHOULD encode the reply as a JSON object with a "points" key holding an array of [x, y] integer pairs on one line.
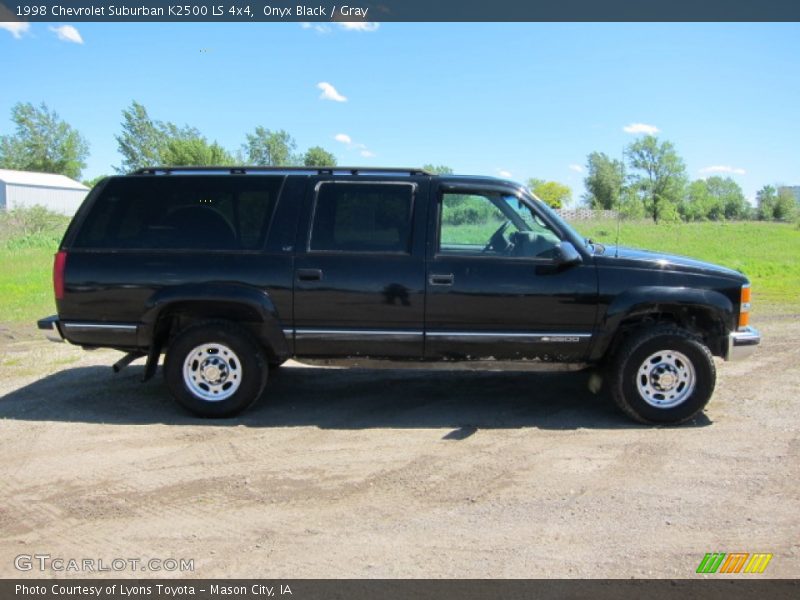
{"points": [[566, 254]]}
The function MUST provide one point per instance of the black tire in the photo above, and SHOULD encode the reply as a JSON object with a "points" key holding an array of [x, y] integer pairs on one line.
{"points": [[662, 375], [274, 366], [221, 350]]}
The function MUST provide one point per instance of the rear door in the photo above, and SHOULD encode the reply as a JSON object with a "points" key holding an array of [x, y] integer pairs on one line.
{"points": [[494, 286], [359, 284]]}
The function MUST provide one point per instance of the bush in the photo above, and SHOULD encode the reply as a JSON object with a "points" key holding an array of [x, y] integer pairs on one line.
{"points": [[31, 227], [469, 211]]}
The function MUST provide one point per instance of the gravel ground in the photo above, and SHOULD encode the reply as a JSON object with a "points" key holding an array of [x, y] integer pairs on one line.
{"points": [[395, 472]]}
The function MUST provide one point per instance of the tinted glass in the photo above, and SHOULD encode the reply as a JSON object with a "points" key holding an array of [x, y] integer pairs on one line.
{"points": [[370, 217], [493, 224], [187, 212]]}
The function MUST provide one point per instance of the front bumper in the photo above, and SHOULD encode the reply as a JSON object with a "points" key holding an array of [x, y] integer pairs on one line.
{"points": [[742, 343], [50, 326]]}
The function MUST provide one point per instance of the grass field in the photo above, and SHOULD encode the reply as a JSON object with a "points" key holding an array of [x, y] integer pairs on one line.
{"points": [[768, 253]]}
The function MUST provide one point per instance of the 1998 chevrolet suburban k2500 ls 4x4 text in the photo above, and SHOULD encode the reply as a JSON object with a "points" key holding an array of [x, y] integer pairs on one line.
{"points": [[231, 270]]}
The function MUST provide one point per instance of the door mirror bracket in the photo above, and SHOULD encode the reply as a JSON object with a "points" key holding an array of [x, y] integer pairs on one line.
{"points": [[566, 254]]}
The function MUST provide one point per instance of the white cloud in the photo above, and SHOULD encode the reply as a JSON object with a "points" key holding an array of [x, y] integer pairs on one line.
{"points": [[316, 27], [351, 145], [359, 25], [504, 173], [641, 128], [576, 168], [330, 93], [723, 169], [67, 33], [15, 28]]}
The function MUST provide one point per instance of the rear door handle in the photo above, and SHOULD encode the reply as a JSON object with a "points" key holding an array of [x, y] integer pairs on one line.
{"points": [[309, 274], [441, 279]]}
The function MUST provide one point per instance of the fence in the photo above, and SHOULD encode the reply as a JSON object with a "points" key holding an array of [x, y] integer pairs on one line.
{"points": [[586, 214]]}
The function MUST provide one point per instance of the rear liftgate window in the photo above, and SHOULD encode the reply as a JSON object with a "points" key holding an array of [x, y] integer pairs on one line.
{"points": [[182, 212]]}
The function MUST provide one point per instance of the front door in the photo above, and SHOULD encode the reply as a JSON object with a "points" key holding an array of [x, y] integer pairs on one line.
{"points": [[494, 285], [359, 286]]}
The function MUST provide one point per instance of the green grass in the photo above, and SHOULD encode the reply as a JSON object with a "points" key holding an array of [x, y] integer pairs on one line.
{"points": [[469, 234], [26, 284]]}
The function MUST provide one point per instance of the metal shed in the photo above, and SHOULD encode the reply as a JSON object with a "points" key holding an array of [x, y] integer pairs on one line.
{"points": [[56, 192]]}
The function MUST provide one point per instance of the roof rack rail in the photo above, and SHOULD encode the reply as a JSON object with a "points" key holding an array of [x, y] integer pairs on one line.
{"points": [[243, 170]]}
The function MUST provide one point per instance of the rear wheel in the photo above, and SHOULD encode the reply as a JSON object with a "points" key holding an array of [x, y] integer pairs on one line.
{"points": [[662, 375], [215, 369]]}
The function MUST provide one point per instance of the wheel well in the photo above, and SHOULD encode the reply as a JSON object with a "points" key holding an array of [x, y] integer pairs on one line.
{"points": [[698, 321], [177, 317]]}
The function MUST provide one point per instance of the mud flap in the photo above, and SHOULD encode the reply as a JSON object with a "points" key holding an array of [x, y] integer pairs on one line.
{"points": [[152, 362]]}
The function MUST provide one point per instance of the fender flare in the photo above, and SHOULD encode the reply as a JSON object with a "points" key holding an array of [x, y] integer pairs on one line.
{"points": [[256, 306], [641, 301]]}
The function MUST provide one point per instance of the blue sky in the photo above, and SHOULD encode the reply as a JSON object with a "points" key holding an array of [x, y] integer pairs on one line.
{"points": [[525, 99]]}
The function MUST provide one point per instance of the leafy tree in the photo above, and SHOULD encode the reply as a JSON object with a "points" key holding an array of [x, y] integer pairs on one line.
{"points": [[658, 175], [715, 199], [552, 193], [437, 169], [196, 151], [785, 205], [43, 142], [142, 141], [318, 157], [728, 197], [766, 199], [630, 205], [699, 205], [270, 148], [604, 182]]}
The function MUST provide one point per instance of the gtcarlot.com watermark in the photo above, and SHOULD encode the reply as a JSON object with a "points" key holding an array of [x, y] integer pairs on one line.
{"points": [[60, 564]]}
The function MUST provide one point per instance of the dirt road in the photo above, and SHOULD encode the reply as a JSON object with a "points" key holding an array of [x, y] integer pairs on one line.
{"points": [[395, 473]]}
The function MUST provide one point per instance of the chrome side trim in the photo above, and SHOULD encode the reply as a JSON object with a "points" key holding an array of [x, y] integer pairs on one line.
{"points": [[742, 343], [482, 336], [545, 338], [355, 333], [288, 332], [95, 326]]}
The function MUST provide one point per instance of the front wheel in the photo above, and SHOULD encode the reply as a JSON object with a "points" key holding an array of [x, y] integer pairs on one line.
{"points": [[662, 375], [215, 369]]}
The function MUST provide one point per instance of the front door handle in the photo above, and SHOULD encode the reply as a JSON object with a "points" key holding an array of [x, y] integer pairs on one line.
{"points": [[441, 279], [309, 274]]}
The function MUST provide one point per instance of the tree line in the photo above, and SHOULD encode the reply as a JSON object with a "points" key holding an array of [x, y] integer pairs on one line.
{"points": [[650, 182], [43, 142]]}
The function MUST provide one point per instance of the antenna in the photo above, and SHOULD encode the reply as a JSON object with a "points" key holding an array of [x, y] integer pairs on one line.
{"points": [[619, 201]]}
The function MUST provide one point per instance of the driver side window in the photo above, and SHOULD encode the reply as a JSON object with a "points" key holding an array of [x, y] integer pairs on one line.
{"points": [[467, 221], [492, 224]]}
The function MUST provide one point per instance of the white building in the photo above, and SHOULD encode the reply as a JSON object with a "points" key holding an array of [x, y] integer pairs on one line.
{"points": [[55, 192]]}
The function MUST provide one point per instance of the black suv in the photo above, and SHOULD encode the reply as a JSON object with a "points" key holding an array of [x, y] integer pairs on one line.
{"points": [[230, 271]]}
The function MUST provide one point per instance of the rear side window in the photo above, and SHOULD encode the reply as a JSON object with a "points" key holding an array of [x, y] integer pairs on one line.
{"points": [[181, 212], [362, 217]]}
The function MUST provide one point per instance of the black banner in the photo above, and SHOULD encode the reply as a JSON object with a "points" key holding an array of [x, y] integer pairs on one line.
{"points": [[394, 589], [399, 10]]}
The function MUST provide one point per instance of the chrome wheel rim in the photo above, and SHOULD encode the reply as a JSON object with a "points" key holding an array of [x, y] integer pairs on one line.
{"points": [[666, 379], [212, 372]]}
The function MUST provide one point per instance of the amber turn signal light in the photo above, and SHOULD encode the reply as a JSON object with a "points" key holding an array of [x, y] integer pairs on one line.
{"points": [[744, 306]]}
